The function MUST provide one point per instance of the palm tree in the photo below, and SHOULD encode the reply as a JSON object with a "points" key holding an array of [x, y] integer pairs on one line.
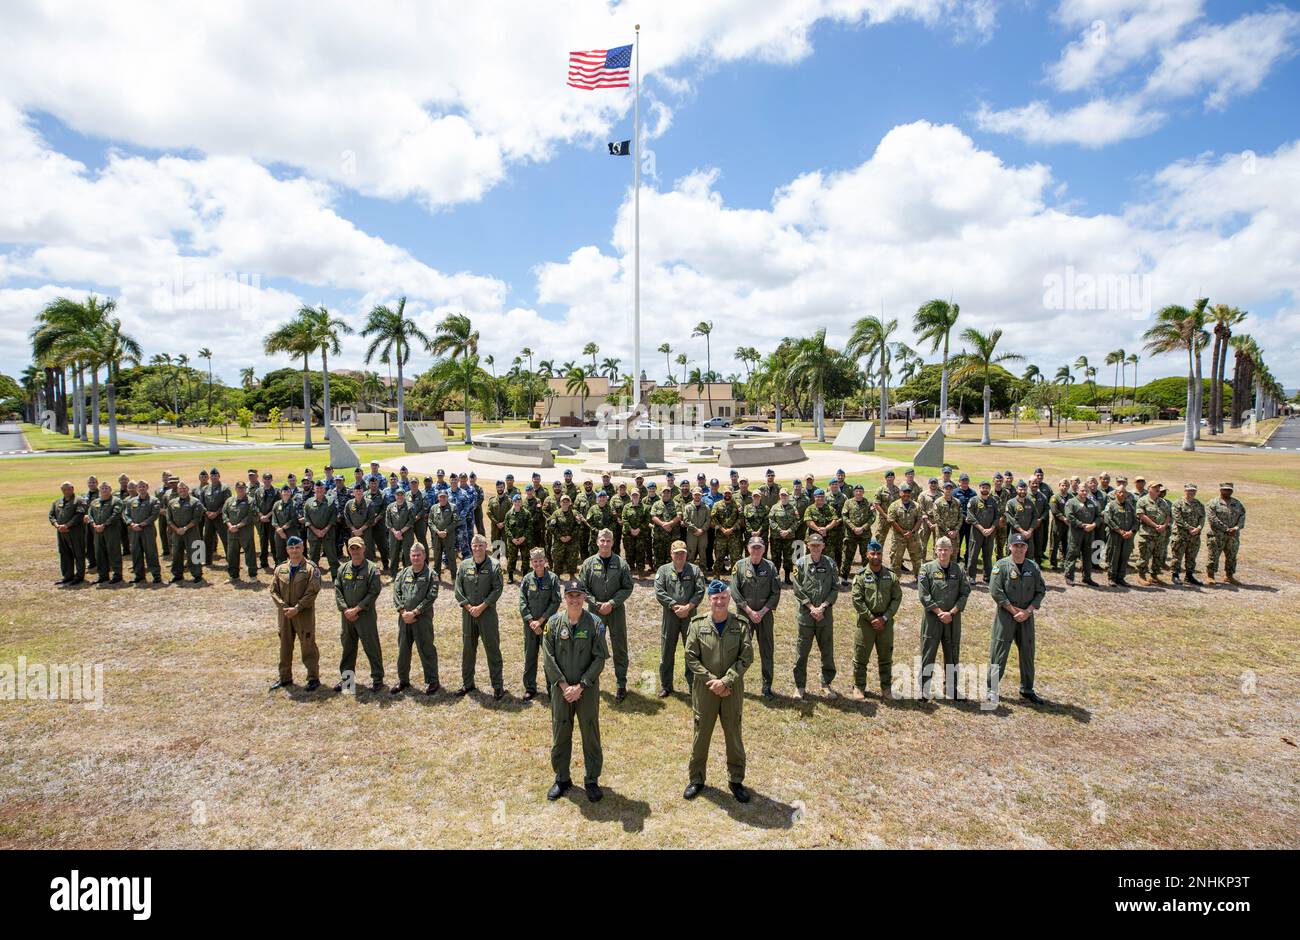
{"points": [[459, 375], [575, 383], [326, 329], [1114, 358], [749, 357], [590, 350], [32, 382], [457, 337], [812, 364], [1132, 360], [393, 335], [1200, 339], [772, 380], [246, 378], [109, 348], [933, 324], [609, 367], [667, 354], [1174, 331], [297, 339], [170, 378], [681, 361], [705, 328], [983, 357], [1066, 378], [61, 328], [546, 368], [1225, 318], [206, 353], [1082, 365], [870, 339]]}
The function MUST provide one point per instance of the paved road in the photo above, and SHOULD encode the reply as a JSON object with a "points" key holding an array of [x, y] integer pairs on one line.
{"points": [[11, 438], [1287, 436]]}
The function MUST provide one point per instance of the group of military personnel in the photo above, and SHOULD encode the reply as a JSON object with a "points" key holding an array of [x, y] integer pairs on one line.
{"points": [[601, 536]]}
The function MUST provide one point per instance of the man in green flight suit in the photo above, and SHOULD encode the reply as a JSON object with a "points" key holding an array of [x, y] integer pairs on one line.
{"points": [[608, 582], [984, 514], [540, 597], [1227, 517], [1018, 590], [213, 497], [679, 588], [942, 589], [442, 536], [239, 517], [68, 516], [184, 516], [574, 653], [415, 591], [141, 517], [1083, 515], [356, 590], [104, 515], [478, 588], [1020, 514], [1188, 515], [876, 596], [399, 527], [719, 648], [816, 589], [756, 589], [696, 523]]}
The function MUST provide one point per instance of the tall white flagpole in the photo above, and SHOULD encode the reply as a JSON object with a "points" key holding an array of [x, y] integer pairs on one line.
{"points": [[636, 235]]}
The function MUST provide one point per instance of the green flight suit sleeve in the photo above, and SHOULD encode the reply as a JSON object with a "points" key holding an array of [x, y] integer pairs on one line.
{"points": [[661, 590], [624, 584], [998, 586], [461, 597], [523, 599], [373, 587], [1040, 588], [963, 593], [744, 660], [699, 589], [859, 595], [549, 665], [553, 605], [895, 598], [599, 653], [693, 664], [498, 585]]}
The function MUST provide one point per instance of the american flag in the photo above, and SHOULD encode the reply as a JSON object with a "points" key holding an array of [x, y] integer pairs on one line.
{"points": [[600, 68]]}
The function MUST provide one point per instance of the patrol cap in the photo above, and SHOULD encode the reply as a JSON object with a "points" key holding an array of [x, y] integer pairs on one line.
{"points": [[816, 539], [1139, 479], [564, 497], [1121, 479], [509, 476], [1016, 539], [934, 479], [756, 540], [905, 488], [568, 472], [858, 486], [286, 488], [1226, 486], [427, 478], [948, 484], [267, 475], [574, 587], [985, 483], [700, 476], [798, 482], [1189, 486], [910, 470], [357, 487], [1038, 471], [356, 542], [784, 492], [888, 474], [293, 540], [964, 476], [874, 546], [716, 587], [677, 546], [320, 483], [947, 469]]}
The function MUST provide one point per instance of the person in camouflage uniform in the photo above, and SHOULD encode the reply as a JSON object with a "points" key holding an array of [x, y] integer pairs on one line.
{"points": [[836, 498], [140, 515], [539, 599], [566, 532], [104, 515], [1188, 517], [1153, 514], [617, 501], [983, 514], [665, 521], [68, 516], [517, 527], [635, 520], [801, 502], [442, 536], [695, 525], [883, 498], [755, 518], [727, 520], [378, 507], [239, 517], [771, 490], [756, 591], [926, 501], [185, 521], [821, 519], [1001, 494], [906, 522], [947, 516], [1120, 516], [783, 523], [600, 515], [550, 506], [679, 588], [319, 517], [876, 598], [1227, 517]]}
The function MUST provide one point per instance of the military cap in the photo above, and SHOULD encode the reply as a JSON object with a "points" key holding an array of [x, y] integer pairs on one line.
{"points": [[1121, 479], [510, 476], [905, 488], [700, 476], [1016, 539], [1139, 479], [574, 587], [403, 468], [716, 587], [293, 540], [1022, 485], [756, 540], [1037, 470], [375, 463], [320, 482], [641, 476], [427, 478], [356, 542], [214, 470], [473, 475], [1190, 486], [568, 472], [357, 486], [564, 497], [816, 539], [798, 482], [677, 546], [997, 476], [528, 488], [1226, 486], [652, 485], [784, 492], [985, 483], [819, 492], [889, 473], [516, 498], [286, 488], [947, 469], [910, 470], [713, 482], [948, 485], [267, 475], [857, 486], [934, 479], [964, 476], [770, 472]]}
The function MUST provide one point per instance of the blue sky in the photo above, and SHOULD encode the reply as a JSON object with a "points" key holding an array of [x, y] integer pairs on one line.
{"points": [[760, 110]]}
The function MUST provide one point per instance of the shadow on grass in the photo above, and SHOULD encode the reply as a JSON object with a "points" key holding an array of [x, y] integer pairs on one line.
{"points": [[614, 807], [634, 704], [762, 812]]}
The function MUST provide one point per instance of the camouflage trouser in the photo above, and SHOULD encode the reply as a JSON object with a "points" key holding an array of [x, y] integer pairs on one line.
{"points": [[661, 545], [910, 544], [634, 551], [1151, 554], [726, 552], [1183, 553], [1001, 550], [1228, 546], [781, 555], [568, 556], [854, 546], [835, 546], [516, 555]]}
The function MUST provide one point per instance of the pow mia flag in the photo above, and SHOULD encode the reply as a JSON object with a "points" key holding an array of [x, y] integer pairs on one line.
{"points": [[620, 148]]}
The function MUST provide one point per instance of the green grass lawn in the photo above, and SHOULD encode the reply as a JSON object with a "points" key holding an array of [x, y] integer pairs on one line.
{"points": [[42, 440]]}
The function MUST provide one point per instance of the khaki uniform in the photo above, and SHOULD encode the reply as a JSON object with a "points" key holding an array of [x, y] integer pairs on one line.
{"points": [[539, 599], [477, 583], [575, 653], [696, 516], [297, 589], [415, 591], [926, 501], [359, 587], [758, 587], [815, 583], [671, 588], [610, 579], [942, 589], [143, 511], [875, 594], [1020, 585], [714, 652]]}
